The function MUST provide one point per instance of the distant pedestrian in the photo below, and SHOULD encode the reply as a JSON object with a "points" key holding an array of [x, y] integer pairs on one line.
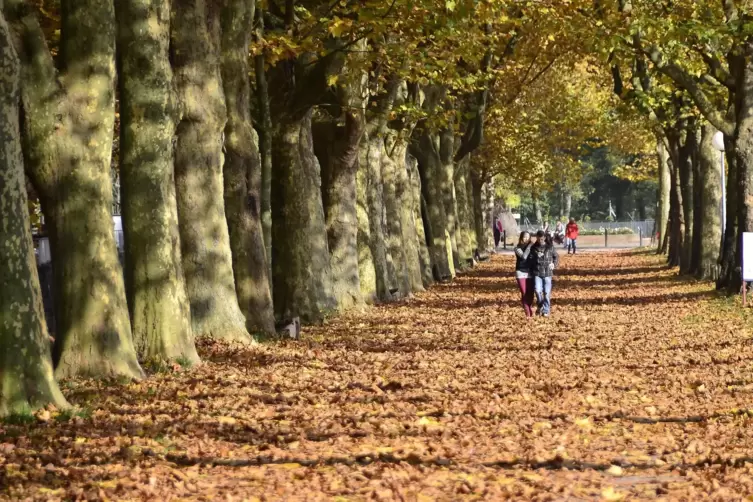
{"points": [[523, 274], [571, 233], [544, 260], [497, 232]]}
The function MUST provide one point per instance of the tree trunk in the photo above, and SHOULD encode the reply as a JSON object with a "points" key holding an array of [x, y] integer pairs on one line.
{"points": [[446, 153], [711, 218], [408, 239], [743, 152], [205, 241], [537, 210], [465, 223], [568, 203], [695, 260], [265, 150], [366, 270], [69, 150], [686, 153], [729, 278], [155, 285], [26, 376], [339, 171], [675, 226], [242, 171], [371, 156], [471, 195], [427, 279], [300, 259], [395, 245], [477, 185], [665, 184], [426, 151], [489, 212]]}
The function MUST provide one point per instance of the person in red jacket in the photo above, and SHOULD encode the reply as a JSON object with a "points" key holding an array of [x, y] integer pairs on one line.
{"points": [[571, 233]]}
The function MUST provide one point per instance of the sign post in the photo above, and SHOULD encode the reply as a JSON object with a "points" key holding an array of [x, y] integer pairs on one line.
{"points": [[747, 264]]}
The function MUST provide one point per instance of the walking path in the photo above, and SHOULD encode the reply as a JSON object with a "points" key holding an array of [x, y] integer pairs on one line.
{"points": [[638, 386]]}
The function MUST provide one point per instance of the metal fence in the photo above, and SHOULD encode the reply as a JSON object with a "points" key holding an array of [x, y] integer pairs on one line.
{"points": [[609, 234]]}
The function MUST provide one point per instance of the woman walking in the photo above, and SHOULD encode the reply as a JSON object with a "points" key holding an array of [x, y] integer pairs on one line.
{"points": [[523, 274], [571, 233], [545, 260]]}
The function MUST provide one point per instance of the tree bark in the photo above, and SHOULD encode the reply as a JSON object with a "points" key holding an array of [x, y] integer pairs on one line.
{"points": [[26, 375], [729, 278], [711, 196], [482, 238], [242, 171], [662, 218], [408, 240], [465, 224], [396, 247], [687, 157], [339, 172], [205, 241], [426, 150], [68, 132], [300, 259], [675, 226], [155, 285], [446, 153], [427, 279]]}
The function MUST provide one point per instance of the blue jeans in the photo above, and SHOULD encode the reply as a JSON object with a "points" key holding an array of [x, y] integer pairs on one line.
{"points": [[543, 288]]}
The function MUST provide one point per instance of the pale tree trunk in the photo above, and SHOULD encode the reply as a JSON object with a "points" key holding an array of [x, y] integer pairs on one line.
{"points": [[339, 171], [687, 150], [160, 313], [26, 376], [537, 209], [205, 241], [395, 245], [69, 148], [414, 178], [446, 153], [568, 203], [470, 194], [489, 212], [465, 223], [242, 171], [366, 270], [300, 258], [711, 196], [477, 185], [426, 150], [695, 254], [662, 218], [408, 239], [371, 157]]}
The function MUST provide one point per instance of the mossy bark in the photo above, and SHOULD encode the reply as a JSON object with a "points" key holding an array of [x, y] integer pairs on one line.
{"points": [[408, 239], [396, 247], [426, 150], [302, 273], [366, 270], [465, 224], [477, 186], [446, 152], [414, 179], [26, 375], [242, 171], [155, 285], [205, 241], [339, 161], [711, 217], [371, 158], [69, 126]]}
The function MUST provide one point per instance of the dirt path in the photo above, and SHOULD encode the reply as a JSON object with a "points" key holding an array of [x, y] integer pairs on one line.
{"points": [[638, 386]]}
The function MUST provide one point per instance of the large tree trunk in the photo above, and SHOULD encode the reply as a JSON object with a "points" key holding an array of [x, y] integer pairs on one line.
{"points": [[489, 212], [408, 240], [446, 153], [711, 217], [160, 313], [265, 150], [242, 171], [687, 157], [426, 151], [568, 203], [300, 259], [26, 377], [469, 190], [205, 242], [743, 149], [729, 277], [662, 218], [371, 158], [695, 254], [392, 205], [675, 226], [477, 186], [424, 256], [68, 151], [465, 224], [339, 170]]}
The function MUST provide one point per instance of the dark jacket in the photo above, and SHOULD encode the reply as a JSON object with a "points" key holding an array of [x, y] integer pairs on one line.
{"points": [[541, 258], [523, 258]]}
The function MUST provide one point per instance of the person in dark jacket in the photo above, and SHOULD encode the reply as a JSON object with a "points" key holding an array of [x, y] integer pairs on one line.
{"points": [[523, 275], [544, 260]]}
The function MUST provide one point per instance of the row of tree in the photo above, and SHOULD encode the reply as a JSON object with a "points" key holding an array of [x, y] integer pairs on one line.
{"points": [[298, 158]]}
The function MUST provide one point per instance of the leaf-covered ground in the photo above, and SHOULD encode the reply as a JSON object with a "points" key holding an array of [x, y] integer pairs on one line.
{"points": [[637, 387]]}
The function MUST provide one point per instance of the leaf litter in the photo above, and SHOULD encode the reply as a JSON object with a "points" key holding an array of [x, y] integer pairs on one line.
{"points": [[637, 387]]}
